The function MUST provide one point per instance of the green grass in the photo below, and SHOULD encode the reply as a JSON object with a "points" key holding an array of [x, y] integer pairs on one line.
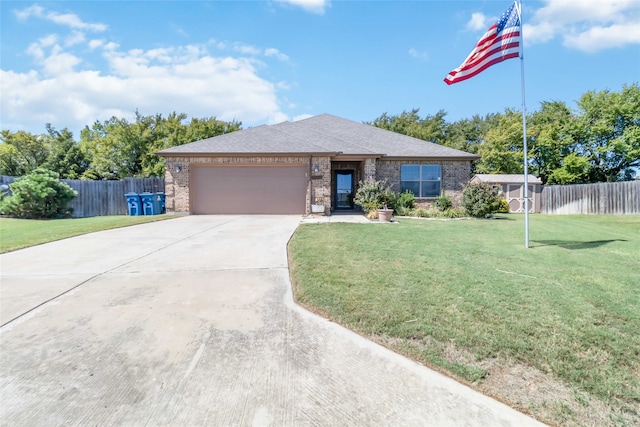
{"points": [[463, 295], [21, 233]]}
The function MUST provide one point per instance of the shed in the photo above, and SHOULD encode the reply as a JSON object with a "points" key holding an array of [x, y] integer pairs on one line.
{"points": [[512, 188]]}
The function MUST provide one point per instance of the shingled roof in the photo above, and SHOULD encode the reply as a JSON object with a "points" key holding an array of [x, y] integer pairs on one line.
{"points": [[319, 135]]}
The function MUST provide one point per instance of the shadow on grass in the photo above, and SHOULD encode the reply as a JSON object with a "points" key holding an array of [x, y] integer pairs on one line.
{"points": [[576, 245]]}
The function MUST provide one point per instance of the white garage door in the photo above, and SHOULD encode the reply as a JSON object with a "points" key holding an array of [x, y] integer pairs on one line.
{"points": [[248, 189]]}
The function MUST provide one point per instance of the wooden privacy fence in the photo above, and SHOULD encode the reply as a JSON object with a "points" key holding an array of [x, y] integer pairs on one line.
{"points": [[615, 198], [99, 198]]}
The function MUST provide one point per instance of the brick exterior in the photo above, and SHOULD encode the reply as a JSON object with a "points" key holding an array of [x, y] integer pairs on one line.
{"points": [[319, 191], [455, 174], [177, 183]]}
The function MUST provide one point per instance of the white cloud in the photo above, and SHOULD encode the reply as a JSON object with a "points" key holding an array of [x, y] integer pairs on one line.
{"points": [[76, 37], [313, 6], [478, 21], [586, 25], [67, 19], [306, 116], [418, 54], [275, 53], [67, 88], [96, 43], [246, 49], [184, 79], [599, 38]]}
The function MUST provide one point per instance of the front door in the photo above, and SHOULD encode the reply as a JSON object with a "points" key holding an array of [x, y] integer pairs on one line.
{"points": [[344, 190]]}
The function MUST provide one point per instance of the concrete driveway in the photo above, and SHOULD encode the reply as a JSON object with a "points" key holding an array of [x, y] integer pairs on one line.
{"points": [[190, 322]]}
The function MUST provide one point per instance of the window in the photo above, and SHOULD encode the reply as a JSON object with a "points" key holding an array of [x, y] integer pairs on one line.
{"points": [[421, 180]]}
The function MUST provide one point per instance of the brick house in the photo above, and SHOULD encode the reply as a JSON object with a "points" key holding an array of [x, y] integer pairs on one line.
{"points": [[312, 165]]}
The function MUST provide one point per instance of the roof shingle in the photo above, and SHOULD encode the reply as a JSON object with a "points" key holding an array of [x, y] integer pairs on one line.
{"points": [[322, 134]]}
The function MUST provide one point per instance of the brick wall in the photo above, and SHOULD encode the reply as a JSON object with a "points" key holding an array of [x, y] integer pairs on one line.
{"points": [[177, 174], [455, 174]]}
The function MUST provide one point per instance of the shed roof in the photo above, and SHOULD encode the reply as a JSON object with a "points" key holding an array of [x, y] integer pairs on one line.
{"points": [[322, 134], [506, 178]]}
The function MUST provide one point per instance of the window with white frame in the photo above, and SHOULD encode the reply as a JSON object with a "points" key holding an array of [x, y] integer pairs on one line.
{"points": [[421, 180]]}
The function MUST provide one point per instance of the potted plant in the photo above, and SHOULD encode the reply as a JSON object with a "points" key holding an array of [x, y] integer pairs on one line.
{"points": [[376, 199]]}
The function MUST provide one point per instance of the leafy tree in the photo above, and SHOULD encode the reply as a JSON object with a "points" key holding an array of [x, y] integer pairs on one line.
{"points": [[609, 129], [468, 134], [119, 149], [553, 131], [21, 152], [502, 150], [430, 128], [66, 158], [40, 194]]}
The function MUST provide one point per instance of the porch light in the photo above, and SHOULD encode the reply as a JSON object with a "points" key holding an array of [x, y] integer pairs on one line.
{"points": [[316, 168], [178, 169]]}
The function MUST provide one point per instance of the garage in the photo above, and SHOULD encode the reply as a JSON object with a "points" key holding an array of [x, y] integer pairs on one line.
{"points": [[248, 189]]}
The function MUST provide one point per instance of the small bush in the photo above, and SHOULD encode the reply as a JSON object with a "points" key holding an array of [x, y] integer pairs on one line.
{"points": [[406, 199], [372, 195], [38, 195], [443, 202], [454, 213], [480, 199], [504, 206]]}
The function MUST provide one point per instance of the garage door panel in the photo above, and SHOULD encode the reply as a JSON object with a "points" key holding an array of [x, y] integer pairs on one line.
{"points": [[248, 189]]}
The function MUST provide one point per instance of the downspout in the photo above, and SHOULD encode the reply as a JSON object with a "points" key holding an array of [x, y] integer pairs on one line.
{"points": [[309, 179]]}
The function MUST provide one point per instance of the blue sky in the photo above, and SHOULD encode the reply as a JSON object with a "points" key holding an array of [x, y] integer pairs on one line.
{"points": [[71, 63]]}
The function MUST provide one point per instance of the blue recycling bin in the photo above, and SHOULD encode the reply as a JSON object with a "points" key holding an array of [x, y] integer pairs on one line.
{"points": [[134, 204], [148, 207], [159, 200]]}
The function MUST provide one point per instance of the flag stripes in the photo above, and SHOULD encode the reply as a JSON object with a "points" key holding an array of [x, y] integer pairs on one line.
{"points": [[499, 43]]}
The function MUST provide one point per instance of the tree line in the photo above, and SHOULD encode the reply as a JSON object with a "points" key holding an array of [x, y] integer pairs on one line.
{"points": [[598, 141], [113, 149]]}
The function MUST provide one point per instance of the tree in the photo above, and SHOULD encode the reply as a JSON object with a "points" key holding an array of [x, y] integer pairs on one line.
{"points": [[468, 134], [21, 152], [502, 150], [40, 194], [430, 128], [609, 131], [554, 144], [66, 158], [118, 148]]}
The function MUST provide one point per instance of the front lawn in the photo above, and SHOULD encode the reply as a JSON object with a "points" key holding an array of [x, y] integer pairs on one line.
{"points": [[21, 233], [553, 330]]}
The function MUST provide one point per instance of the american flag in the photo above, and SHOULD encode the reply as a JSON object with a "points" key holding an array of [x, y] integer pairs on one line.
{"points": [[499, 43]]}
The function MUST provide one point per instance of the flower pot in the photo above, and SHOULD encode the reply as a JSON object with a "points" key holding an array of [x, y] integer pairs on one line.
{"points": [[384, 215], [317, 208]]}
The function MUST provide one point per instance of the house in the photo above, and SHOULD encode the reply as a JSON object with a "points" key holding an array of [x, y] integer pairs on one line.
{"points": [[289, 167], [512, 188]]}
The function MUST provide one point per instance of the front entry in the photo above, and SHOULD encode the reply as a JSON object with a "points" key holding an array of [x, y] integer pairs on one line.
{"points": [[343, 181]]}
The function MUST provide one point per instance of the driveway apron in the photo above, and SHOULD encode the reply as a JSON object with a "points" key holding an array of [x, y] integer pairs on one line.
{"points": [[191, 322]]}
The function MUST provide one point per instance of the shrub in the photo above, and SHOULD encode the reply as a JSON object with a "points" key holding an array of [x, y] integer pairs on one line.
{"points": [[372, 195], [406, 199], [453, 213], [480, 199], [38, 195], [405, 202], [443, 202], [504, 206]]}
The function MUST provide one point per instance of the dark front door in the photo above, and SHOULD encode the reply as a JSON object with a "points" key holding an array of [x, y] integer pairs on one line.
{"points": [[344, 190]]}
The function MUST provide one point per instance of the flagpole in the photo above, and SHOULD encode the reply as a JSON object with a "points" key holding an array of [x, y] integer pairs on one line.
{"points": [[524, 132]]}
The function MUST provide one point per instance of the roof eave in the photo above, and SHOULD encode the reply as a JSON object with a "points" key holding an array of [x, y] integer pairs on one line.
{"points": [[253, 154], [470, 157]]}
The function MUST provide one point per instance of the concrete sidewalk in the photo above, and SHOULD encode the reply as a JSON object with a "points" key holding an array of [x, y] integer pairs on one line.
{"points": [[190, 322]]}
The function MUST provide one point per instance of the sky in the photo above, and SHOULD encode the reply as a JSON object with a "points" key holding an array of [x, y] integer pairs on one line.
{"points": [[72, 63]]}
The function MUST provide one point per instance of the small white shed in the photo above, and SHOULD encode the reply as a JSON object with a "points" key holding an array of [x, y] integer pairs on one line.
{"points": [[512, 188]]}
